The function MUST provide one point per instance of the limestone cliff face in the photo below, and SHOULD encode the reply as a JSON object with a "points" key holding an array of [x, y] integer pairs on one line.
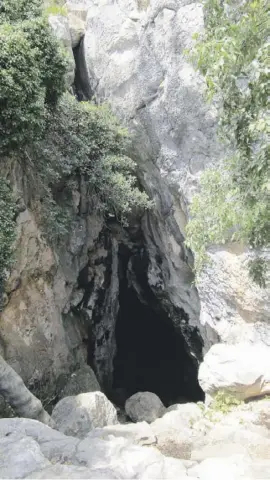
{"points": [[133, 56], [62, 304], [38, 337]]}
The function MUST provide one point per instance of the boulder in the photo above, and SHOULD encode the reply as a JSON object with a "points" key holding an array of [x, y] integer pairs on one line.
{"points": [[78, 415], [242, 370], [144, 406], [20, 456], [82, 381]]}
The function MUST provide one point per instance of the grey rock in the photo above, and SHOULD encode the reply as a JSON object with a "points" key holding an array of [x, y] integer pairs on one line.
{"points": [[78, 415], [136, 433], [144, 406], [135, 60], [55, 446], [127, 460], [20, 456], [15, 393], [72, 471], [241, 370], [81, 381]]}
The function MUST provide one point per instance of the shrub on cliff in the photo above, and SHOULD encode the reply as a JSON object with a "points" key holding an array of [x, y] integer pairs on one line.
{"points": [[53, 135], [233, 203], [32, 69], [82, 138]]}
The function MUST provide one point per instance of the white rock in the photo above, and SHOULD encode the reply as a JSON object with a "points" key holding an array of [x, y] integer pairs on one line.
{"points": [[128, 461], [79, 414], [175, 437], [144, 406], [55, 446], [20, 456], [73, 471], [235, 467], [241, 369], [136, 433]]}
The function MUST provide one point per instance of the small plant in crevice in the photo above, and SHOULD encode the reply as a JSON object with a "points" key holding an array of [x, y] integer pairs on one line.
{"points": [[222, 403]]}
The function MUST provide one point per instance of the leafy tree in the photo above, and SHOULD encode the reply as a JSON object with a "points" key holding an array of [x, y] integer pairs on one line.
{"points": [[83, 138], [32, 73], [233, 203]]}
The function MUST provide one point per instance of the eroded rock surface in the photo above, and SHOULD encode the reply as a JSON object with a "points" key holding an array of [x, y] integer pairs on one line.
{"points": [[242, 370], [133, 55], [236, 446]]}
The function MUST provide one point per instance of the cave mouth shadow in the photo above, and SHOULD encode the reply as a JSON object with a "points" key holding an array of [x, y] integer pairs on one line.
{"points": [[151, 354]]}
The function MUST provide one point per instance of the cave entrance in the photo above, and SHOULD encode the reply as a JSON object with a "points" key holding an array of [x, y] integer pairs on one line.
{"points": [[151, 355]]}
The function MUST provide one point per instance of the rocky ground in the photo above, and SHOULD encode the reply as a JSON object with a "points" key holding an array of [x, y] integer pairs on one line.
{"points": [[189, 441]]}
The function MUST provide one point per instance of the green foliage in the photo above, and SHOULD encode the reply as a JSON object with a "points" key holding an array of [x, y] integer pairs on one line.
{"points": [[7, 230], [56, 8], [86, 139], [32, 69], [234, 200], [19, 10], [55, 137], [224, 402]]}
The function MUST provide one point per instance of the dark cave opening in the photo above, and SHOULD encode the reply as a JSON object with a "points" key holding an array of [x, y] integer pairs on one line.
{"points": [[151, 355]]}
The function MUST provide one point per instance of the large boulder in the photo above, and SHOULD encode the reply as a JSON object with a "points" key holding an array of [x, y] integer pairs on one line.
{"points": [[20, 456], [144, 406], [242, 370], [82, 381], [30, 449], [79, 414]]}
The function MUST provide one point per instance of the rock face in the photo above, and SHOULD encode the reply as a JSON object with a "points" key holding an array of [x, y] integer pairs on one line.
{"points": [[41, 336], [78, 415], [144, 406], [133, 57], [242, 370]]}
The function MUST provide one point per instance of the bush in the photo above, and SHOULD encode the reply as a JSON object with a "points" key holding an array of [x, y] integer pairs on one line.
{"points": [[32, 70], [19, 10], [234, 200], [82, 138], [55, 136]]}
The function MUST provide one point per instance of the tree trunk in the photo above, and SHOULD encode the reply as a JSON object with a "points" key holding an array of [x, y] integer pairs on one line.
{"points": [[17, 395]]}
